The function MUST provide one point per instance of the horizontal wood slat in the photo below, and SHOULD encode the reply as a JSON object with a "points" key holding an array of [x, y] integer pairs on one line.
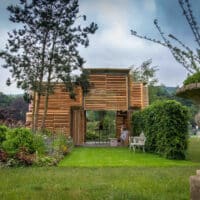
{"points": [[110, 90], [107, 92]]}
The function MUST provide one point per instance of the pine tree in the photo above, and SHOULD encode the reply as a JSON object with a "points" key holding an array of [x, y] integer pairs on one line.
{"points": [[45, 48]]}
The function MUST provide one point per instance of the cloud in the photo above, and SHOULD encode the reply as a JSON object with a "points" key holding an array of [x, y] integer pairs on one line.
{"points": [[150, 5], [113, 45]]}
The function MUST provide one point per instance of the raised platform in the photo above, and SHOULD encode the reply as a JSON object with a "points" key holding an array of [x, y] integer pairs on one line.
{"points": [[191, 91]]}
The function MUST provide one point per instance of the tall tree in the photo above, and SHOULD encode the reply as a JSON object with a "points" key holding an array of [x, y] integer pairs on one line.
{"points": [[145, 73], [45, 48], [189, 59]]}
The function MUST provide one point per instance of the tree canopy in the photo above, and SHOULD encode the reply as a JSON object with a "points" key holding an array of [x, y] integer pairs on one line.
{"points": [[45, 47], [145, 73]]}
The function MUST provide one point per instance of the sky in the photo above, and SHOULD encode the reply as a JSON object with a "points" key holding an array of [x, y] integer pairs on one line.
{"points": [[113, 45]]}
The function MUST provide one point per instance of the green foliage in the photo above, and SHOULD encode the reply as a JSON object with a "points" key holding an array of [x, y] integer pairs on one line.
{"points": [[165, 124], [45, 161], [20, 147], [137, 123], [5, 100], [18, 138], [3, 130], [94, 118], [39, 143], [169, 93], [60, 145], [24, 157], [145, 73], [91, 134], [194, 78], [13, 107], [159, 93]]}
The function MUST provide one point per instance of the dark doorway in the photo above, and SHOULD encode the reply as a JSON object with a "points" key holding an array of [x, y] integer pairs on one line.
{"points": [[100, 126]]}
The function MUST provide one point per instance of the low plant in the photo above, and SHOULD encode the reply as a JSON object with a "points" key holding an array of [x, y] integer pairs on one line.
{"points": [[61, 144], [24, 157], [39, 143], [45, 161]]}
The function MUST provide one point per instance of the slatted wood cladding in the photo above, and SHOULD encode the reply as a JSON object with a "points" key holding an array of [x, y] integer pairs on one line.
{"points": [[59, 107], [139, 97], [110, 90], [107, 92]]}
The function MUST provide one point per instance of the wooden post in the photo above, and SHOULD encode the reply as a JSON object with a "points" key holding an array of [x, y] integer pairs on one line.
{"points": [[195, 186]]}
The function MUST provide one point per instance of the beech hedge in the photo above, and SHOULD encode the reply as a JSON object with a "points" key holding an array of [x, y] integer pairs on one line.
{"points": [[165, 125]]}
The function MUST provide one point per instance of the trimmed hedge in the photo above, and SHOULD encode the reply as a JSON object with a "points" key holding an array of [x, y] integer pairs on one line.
{"points": [[165, 125]]}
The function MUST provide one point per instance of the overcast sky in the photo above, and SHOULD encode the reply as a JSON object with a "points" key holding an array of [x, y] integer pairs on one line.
{"points": [[113, 45]]}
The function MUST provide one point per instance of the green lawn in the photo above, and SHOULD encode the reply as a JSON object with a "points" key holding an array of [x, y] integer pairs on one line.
{"points": [[107, 183], [116, 157], [193, 152], [106, 173]]}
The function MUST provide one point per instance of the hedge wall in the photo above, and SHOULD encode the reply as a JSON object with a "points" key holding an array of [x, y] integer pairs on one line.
{"points": [[165, 125]]}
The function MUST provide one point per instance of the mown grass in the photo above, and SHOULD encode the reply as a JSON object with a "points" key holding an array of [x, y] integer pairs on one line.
{"points": [[117, 183], [136, 176], [115, 157], [193, 153]]}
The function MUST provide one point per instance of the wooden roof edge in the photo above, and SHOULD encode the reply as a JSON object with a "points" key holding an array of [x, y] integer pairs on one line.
{"points": [[114, 70]]}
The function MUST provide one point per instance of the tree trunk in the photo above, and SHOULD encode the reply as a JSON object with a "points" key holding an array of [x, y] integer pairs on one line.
{"points": [[48, 86], [36, 113], [33, 112], [40, 84], [43, 126]]}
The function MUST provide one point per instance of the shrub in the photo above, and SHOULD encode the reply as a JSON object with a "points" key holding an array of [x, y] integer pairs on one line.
{"points": [[61, 144], [24, 157], [3, 130], [17, 138], [165, 125], [39, 143], [194, 78]]}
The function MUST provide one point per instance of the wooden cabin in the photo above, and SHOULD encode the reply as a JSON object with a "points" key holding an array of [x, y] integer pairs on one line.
{"points": [[111, 89]]}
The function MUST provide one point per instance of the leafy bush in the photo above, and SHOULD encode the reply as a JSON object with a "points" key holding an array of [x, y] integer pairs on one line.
{"points": [[3, 130], [24, 157], [165, 125], [39, 143], [21, 147], [17, 138], [60, 144], [194, 78]]}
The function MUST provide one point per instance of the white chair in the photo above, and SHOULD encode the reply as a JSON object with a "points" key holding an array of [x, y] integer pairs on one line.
{"points": [[138, 141]]}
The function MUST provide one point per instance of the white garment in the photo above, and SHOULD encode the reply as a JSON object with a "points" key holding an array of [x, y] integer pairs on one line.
{"points": [[124, 135]]}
